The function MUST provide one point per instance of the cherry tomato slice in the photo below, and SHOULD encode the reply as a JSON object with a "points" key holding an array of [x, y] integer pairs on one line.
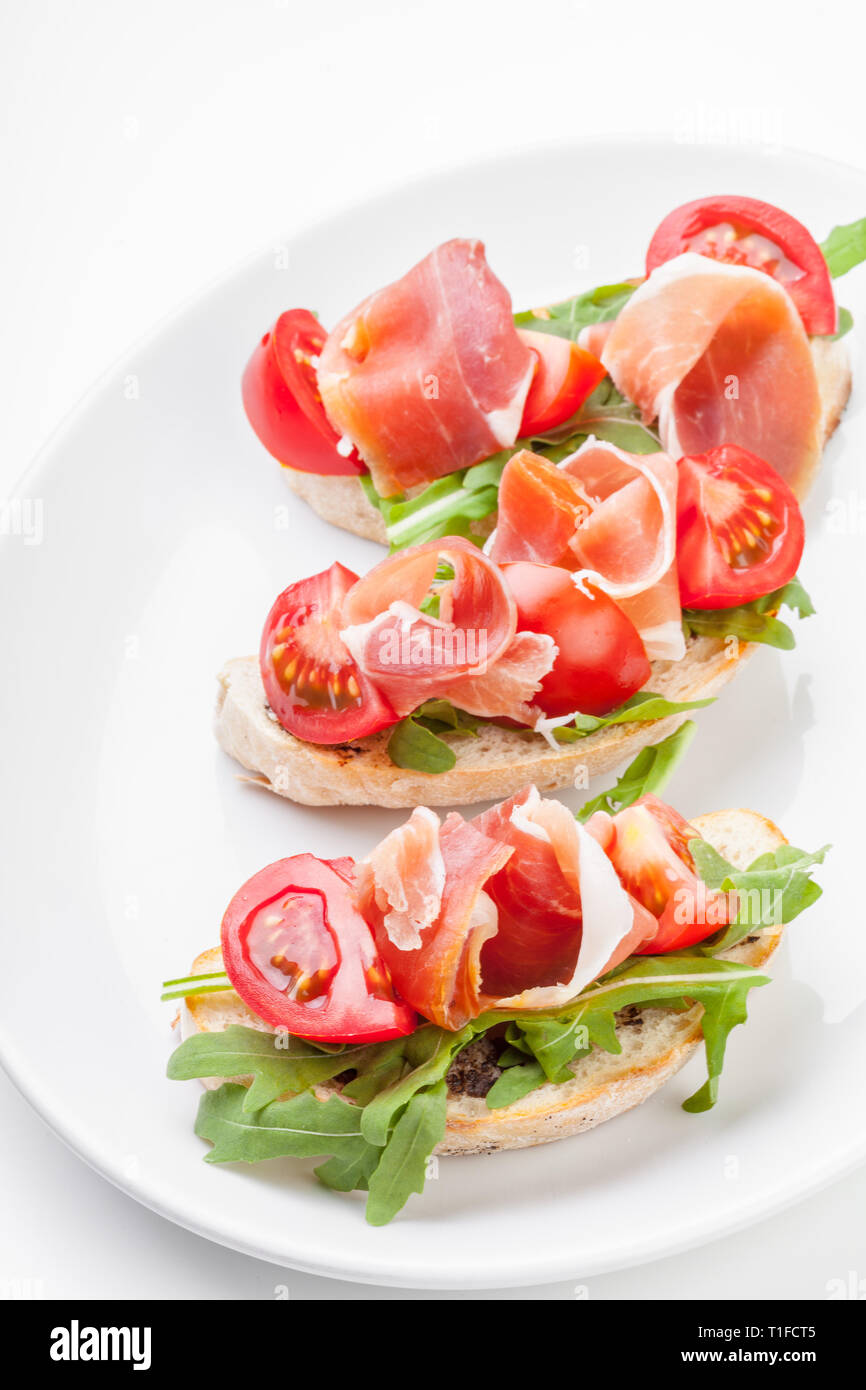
{"points": [[314, 687], [301, 956], [745, 231], [650, 852], [601, 660], [565, 375], [739, 529], [282, 401]]}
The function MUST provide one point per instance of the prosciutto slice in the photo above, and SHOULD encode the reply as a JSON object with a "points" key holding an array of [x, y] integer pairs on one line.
{"points": [[627, 543], [441, 975], [429, 374], [564, 917], [718, 354], [529, 912], [471, 654], [611, 517]]}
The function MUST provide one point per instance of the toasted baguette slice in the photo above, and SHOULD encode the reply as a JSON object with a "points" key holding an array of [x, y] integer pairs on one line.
{"points": [[344, 502], [499, 761], [488, 768], [655, 1042]]}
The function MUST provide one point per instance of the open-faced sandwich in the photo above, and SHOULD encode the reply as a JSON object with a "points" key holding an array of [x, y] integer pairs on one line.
{"points": [[593, 511], [732, 336], [482, 984]]}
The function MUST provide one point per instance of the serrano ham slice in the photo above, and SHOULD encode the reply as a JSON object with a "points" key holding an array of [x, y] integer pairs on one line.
{"points": [[564, 917], [627, 543], [610, 516], [529, 912], [428, 375], [470, 655], [442, 974], [718, 354]]}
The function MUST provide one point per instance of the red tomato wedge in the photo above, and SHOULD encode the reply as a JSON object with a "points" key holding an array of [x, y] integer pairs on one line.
{"points": [[650, 852], [282, 401], [739, 529], [564, 376], [301, 956], [313, 685], [745, 231], [601, 660]]}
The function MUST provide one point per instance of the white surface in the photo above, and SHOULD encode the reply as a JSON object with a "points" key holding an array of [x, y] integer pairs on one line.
{"points": [[149, 485], [149, 147]]}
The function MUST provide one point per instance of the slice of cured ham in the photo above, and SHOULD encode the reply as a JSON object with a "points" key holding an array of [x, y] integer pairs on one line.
{"points": [[441, 976], [539, 508], [718, 354], [564, 917], [627, 544], [429, 374], [529, 912], [471, 654], [611, 517]]}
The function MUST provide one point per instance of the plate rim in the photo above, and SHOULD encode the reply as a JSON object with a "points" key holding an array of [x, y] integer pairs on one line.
{"points": [[548, 1267]]}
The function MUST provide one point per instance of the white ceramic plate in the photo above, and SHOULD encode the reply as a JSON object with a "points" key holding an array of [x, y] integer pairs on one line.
{"points": [[167, 531]]}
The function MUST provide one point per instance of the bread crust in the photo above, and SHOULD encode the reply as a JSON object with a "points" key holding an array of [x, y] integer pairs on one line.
{"points": [[498, 761], [488, 768], [654, 1046]]}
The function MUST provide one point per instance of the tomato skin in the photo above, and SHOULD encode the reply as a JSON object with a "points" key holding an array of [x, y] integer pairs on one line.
{"points": [[565, 375], [282, 402], [328, 699], [811, 291], [650, 852], [601, 660], [740, 532], [356, 1003]]}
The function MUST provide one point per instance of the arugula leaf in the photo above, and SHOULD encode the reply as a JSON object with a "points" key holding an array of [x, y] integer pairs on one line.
{"points": [[302, 1127], [383, 1144], [414, 746], [278, 1062], [644, 706], [515, 1083], [402, 1168], [565, 320], [213, 982], [744, 623], [773, 890], [728, 1009], [845, 324], [792, 595], [649, 772], [753, 622], [350, 1171], [446, 507], [381, 1067], [415, 741], [845, 247], [557, 1038], [431, 1051], [608, 416], [443, 717]]}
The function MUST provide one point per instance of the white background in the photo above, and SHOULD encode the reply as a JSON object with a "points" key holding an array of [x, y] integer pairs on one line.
{"points": [[146, 148]]}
